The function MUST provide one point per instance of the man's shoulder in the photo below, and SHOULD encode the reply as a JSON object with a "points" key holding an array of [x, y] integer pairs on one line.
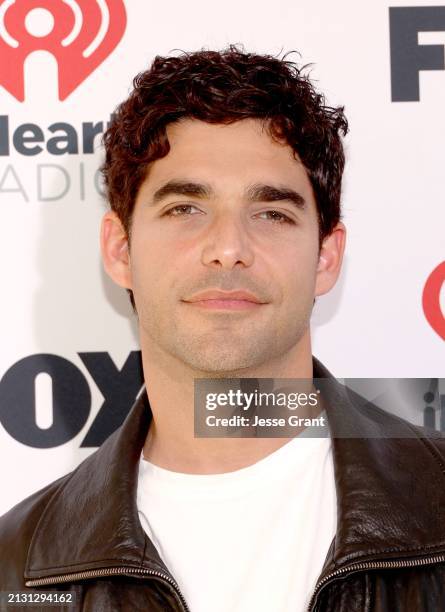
{"points": [[30, 506], [17, 527], [433, 438]]}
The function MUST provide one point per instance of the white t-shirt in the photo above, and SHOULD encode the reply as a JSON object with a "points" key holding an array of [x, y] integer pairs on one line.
{"points": [[252, 540]]}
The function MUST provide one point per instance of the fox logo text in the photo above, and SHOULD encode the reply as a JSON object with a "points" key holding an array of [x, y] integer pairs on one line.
{"points": [[408, 55]]}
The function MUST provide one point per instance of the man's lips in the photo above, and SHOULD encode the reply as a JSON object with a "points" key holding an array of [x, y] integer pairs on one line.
{"points": [[227, 300]]}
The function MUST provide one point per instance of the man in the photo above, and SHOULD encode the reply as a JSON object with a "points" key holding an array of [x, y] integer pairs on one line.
{"points": [[223, 172]]}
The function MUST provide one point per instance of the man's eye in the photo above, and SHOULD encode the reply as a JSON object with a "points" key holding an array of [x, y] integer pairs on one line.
{"points": [[179, 211], [277, 217]]}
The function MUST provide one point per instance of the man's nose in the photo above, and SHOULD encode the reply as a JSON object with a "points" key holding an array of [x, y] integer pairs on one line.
{"points": [[227, 242]]}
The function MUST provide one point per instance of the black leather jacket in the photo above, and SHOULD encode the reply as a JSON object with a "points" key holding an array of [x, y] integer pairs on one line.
{"points": [[82, 534]]}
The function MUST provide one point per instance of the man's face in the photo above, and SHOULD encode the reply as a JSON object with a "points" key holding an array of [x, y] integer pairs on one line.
{"points": [[239, 231]]}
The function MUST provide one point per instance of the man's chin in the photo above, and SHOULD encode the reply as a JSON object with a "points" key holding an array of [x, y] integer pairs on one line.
{"points": [[221, 366], [226, 370]]}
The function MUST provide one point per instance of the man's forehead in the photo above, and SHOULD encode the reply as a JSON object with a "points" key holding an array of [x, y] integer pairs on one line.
{"points": [[245, 135], [225, 158]]}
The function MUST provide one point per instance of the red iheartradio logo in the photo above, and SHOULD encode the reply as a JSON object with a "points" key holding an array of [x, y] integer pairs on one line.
{"points": [[431, 300], [80, 34]]}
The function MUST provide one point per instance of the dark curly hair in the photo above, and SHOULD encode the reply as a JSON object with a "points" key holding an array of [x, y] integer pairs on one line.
{"points": [[224, 87]]}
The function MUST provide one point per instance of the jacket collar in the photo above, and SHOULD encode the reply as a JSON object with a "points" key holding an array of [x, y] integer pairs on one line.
{"points": [[91, 520], [389, 478], [390, 496]]}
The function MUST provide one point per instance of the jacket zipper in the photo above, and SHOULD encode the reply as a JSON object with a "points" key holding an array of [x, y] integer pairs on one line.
{"points": [[115, 571], [373, 565], [111, 571]]}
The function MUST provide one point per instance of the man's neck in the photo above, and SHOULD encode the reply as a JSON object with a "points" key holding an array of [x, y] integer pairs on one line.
{"points": [[170, 442]]}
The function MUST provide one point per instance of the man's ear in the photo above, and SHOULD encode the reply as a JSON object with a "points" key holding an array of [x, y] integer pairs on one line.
{"points": [[114, 249], [330, 259]]}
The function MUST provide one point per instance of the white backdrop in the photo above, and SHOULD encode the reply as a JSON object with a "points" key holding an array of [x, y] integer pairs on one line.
{"points": [[56, 299]]}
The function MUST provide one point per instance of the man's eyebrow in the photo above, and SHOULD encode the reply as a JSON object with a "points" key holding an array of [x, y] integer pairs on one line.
{"points": [[270, 193], [178, 187], [259, 192]]}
